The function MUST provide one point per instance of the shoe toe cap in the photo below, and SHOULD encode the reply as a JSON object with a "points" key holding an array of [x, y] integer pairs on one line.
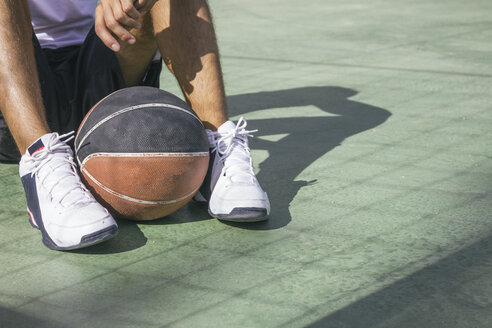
{"points": [[237, 197], [70, 232]]}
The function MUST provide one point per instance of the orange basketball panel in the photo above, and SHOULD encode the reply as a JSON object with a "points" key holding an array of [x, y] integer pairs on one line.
{"points": [[144, 187]]}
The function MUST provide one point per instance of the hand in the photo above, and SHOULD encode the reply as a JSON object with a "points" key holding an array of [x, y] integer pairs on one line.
{"points": [[115, 18]]}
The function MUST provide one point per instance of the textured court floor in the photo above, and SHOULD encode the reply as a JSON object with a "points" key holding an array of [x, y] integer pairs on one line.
{"points": [[375, 146]]}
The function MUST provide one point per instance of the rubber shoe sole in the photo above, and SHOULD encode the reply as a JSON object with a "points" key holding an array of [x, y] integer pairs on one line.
{"points": [[243, 214]]}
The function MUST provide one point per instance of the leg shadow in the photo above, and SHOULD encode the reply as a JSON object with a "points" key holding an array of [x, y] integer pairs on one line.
{"points": [[306, 140]]}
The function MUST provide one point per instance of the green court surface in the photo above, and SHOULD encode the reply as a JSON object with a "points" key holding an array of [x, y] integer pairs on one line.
{"points": [[375, 147]]}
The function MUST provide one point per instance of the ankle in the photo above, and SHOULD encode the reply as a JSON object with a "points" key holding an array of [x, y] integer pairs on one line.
{"points": [[213, 125], [24, 142]]}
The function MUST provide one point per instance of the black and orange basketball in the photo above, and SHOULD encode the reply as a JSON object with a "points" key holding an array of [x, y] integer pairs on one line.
{"points": [[142, 152]]}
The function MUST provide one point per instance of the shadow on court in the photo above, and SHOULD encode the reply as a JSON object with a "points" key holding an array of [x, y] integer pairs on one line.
{"points": [[306, 140], [10, 318], [130, 236], [428, 297]]}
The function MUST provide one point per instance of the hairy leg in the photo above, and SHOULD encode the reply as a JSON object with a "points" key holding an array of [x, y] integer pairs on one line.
{"points": [[186, 37], [134, 58], [21, 102]]}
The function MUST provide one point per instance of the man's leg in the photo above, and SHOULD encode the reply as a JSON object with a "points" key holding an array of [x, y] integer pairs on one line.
{"points": [[185, 36], [58, 204], [20, 100], [134, 59]]}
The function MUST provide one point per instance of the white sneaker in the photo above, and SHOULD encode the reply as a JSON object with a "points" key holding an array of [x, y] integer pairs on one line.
{"points": [[58, 203], [231, 187]]}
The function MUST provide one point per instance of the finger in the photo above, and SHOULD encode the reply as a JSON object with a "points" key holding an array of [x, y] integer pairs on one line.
{"points": [[116, 28], [139, 4], [129, 8], [121, 16], [144, 6], [102, 31]]}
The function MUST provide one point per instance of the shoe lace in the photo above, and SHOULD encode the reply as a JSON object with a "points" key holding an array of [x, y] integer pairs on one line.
{"points": [[233, 150], [56, 169]]}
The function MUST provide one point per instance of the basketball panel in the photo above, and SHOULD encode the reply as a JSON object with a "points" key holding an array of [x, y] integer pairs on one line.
{"points": [[127, 209], [153, 179], [145, 130], [126, 98]]}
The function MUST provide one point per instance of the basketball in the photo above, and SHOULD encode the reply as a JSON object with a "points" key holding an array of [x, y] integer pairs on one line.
{"points": [[142, 152]]}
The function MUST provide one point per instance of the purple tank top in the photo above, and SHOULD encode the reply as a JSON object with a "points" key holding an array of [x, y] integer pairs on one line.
{"points": [[61, 23]]}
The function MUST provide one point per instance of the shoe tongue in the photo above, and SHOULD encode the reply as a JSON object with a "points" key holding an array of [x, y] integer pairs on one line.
{"points": [[39, 144], [226, 127], [238, 160], [46, 140]]}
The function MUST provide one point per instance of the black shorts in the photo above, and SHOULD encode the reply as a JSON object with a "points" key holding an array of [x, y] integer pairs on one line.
{"points": [[72, 80]]}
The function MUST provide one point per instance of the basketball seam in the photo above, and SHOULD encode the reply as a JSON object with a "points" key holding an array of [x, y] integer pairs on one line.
{"points": [[135, 200], [90, 111], [147, 155], [128, 109]]}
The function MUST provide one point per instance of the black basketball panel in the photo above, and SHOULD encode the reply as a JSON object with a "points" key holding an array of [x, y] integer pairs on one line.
{"points": [[127, 98], [146, 130]]}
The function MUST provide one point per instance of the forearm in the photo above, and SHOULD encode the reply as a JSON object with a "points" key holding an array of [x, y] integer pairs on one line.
{"points": [[20, 100]]}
